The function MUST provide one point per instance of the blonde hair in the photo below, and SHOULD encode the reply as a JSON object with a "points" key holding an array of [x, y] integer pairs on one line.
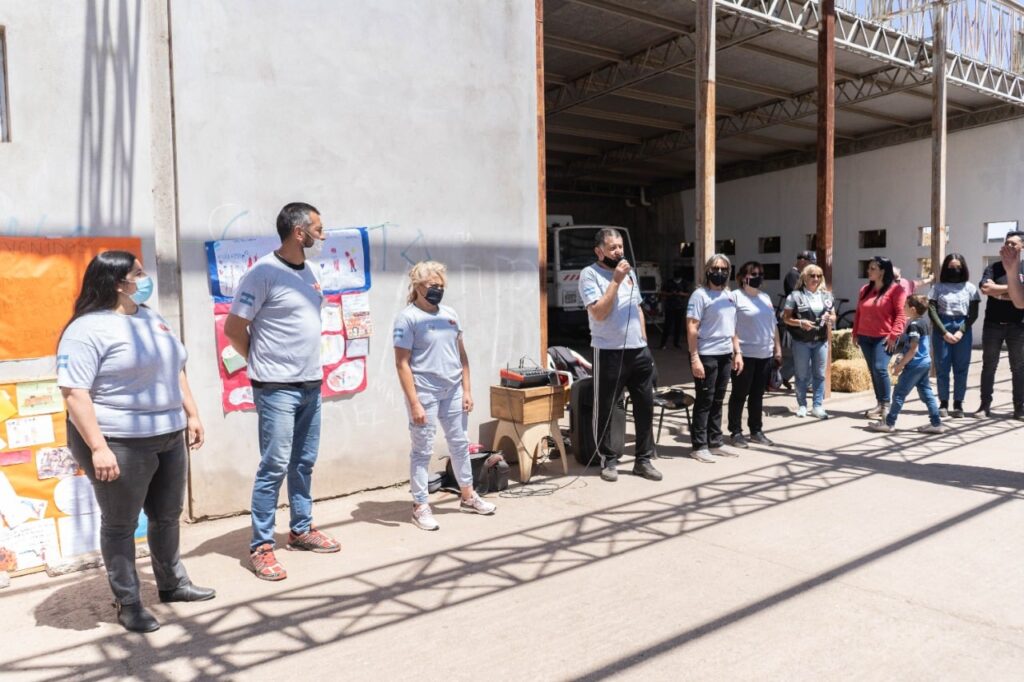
{"points": [[812, 269], [423, 271], [710, 262]]}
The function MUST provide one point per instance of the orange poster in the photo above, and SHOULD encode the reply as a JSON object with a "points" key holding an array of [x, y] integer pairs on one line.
{"points": [[39, 281]]}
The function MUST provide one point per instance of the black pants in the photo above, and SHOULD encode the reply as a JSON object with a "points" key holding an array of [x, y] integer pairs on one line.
{"points": [[153, 475], [673, 327], [993, 336], [707, 410], [748, 387], [631, 369]]}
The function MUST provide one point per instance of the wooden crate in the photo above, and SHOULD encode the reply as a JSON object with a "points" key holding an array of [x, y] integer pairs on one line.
{"points": [[528, 405]]}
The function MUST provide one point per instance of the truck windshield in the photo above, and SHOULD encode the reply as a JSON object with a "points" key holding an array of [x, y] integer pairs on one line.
{"points": [[576, 248]]}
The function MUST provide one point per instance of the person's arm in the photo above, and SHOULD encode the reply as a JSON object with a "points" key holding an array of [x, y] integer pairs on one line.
{"points": [[1010, 254], [82, 413], [604, 306], [899, 302], [933, 315], [236, 329], [988, 286], [196, 434], [643, 322], [789, 317], [467, 386], [737, 355], [402, 357], [907, 356], [692, 328], [972, 316]]}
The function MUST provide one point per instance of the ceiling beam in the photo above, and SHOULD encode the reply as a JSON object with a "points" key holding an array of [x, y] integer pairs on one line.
{"points": [[607, 135]]}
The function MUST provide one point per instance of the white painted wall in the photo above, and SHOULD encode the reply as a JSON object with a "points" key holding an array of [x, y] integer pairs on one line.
{"points": [[421, 115], [885, 189]]}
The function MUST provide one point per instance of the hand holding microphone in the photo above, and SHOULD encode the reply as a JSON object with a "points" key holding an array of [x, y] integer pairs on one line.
{"points": [[621, 270]]}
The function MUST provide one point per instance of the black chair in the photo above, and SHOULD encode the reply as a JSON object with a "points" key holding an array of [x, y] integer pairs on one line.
{"points": [[671, 400]]}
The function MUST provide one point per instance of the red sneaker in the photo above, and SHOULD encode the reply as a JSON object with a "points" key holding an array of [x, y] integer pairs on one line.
{"points": [[265, 565], [313, 541]]}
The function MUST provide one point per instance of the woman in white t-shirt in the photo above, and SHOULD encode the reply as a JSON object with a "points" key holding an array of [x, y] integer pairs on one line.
{"points": [[131, 420], [433, 369], [953, 308], [714, 353], [758, 333], [809, 313]]}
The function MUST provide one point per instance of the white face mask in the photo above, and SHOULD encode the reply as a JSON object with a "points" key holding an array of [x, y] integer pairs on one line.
{"points": [[314, 250]]}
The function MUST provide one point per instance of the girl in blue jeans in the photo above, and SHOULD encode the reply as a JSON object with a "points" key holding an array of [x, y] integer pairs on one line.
{"points": [[913, 368], [433, 369], [953, 308]]}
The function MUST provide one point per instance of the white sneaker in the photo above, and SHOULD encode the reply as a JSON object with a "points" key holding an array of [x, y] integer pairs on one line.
{"points": [[801, 411], [819, 412], [880, 427], [423, 517], [876, 412], [933, 428], [477, 505]]}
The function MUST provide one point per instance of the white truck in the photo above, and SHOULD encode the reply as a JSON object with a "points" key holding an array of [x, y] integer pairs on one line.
{"points": [[570, 249]]}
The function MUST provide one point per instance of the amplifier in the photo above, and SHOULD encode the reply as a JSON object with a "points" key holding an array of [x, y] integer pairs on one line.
{"points": [[528, 377]]}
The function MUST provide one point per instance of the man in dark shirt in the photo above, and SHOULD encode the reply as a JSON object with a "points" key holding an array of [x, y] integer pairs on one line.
{"points": [[674, 293], [1004, 322]]}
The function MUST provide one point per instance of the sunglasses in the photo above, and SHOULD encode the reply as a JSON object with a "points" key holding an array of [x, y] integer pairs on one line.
{"points": [[815, 276]]}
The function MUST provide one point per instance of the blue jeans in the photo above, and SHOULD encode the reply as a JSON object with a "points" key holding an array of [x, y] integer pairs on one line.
{"points": [[289, 441], [911, 378], [877, 358], [955, 356], [809, 359], [445, 406]]}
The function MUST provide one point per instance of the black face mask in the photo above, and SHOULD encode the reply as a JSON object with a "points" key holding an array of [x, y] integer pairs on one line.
{"points": [[955, 275], [611, 262], [755, 281], [717, 278], [434, 295]]}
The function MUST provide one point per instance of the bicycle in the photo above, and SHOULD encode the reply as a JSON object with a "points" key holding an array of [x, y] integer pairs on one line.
{"points": [[844, 320]]}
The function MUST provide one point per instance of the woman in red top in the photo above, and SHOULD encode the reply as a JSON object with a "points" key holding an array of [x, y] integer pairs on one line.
{"points": [[877, 327]]}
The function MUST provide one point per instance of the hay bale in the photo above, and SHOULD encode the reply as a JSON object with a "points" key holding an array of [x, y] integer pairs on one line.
{"points": [[843, 347], [850, 376]]}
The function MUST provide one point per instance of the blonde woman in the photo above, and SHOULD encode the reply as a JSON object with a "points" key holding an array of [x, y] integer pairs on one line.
{"points": [[433, 369], [809, 312], [714, 352]]}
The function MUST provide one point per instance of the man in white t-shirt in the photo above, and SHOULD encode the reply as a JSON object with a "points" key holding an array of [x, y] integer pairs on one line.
{"points": [[622, 359], [275, 324]]}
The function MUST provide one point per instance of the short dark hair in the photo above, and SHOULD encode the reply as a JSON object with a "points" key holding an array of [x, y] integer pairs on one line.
{"points": [[295, 214], [1014, 233], [919, 302], [944, 272], [809, 256], [603, 234], [99, 283]]}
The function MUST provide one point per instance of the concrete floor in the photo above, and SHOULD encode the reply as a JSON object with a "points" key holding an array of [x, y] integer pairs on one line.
{"points": [[837, 554]]}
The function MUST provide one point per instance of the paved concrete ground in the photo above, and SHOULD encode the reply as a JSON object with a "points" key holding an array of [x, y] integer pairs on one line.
{"points": [[838, 554]]}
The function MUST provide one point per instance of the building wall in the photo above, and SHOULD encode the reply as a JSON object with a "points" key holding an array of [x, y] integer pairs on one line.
{"points": [[885, 189]]}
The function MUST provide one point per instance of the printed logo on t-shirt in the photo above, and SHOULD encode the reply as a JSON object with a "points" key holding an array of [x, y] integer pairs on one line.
{"points": [[163, 327], [62, 361], [246, 298]]}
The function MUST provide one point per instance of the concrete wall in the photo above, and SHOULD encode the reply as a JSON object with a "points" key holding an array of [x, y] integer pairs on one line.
{"points": [[419, 115], [885, 189]]}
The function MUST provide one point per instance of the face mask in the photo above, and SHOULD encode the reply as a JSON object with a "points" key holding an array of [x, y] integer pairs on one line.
{"points": [[755, 281], [434, 295], [677, 280], [717, 278], [610, 262], [143, 290], [314, 248], [955, 275]]}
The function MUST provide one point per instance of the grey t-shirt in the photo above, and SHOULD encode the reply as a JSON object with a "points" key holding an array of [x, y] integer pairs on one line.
{"points": [[433, 339], [954, 299], [755, 324], [622, 328], [716, 312], [130, 364], [282, 304]]}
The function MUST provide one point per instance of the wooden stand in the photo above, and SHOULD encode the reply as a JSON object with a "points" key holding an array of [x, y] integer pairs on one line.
{"points": [[525, 416]]}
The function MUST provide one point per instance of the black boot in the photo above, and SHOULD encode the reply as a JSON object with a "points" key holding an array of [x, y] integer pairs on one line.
{"points": [[134, 618], [188, 592], [984, 409], [943, 408]]}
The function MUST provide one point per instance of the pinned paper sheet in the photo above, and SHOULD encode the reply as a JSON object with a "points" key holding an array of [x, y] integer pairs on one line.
{"points": [[357, 348], [3, 444], [233, 361], [330, 316], [74, 495], [55, 463], [39, 397], [7, 408], [11, 508], [332, 349], [30, 545], [79, 534], [27, 431], [36, 508], [15, 457], [356, 312]]}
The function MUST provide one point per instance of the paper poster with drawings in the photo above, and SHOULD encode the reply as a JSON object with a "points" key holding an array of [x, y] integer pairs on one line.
{"points": [[357, 348], [38, 397], [355, 309], [79, 534], [30, 545], [344, 264], [236, 391], [7, 406], [14, 513], [55, 463], [75, 495], [27, 431], [348, 376], [36, 507]]}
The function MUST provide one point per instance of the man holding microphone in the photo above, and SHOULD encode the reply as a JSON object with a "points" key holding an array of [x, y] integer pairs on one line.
{"points": [[622, 359]]}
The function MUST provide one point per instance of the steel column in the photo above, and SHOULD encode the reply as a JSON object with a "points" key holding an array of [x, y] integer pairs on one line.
{"points": [[705, 134]]}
